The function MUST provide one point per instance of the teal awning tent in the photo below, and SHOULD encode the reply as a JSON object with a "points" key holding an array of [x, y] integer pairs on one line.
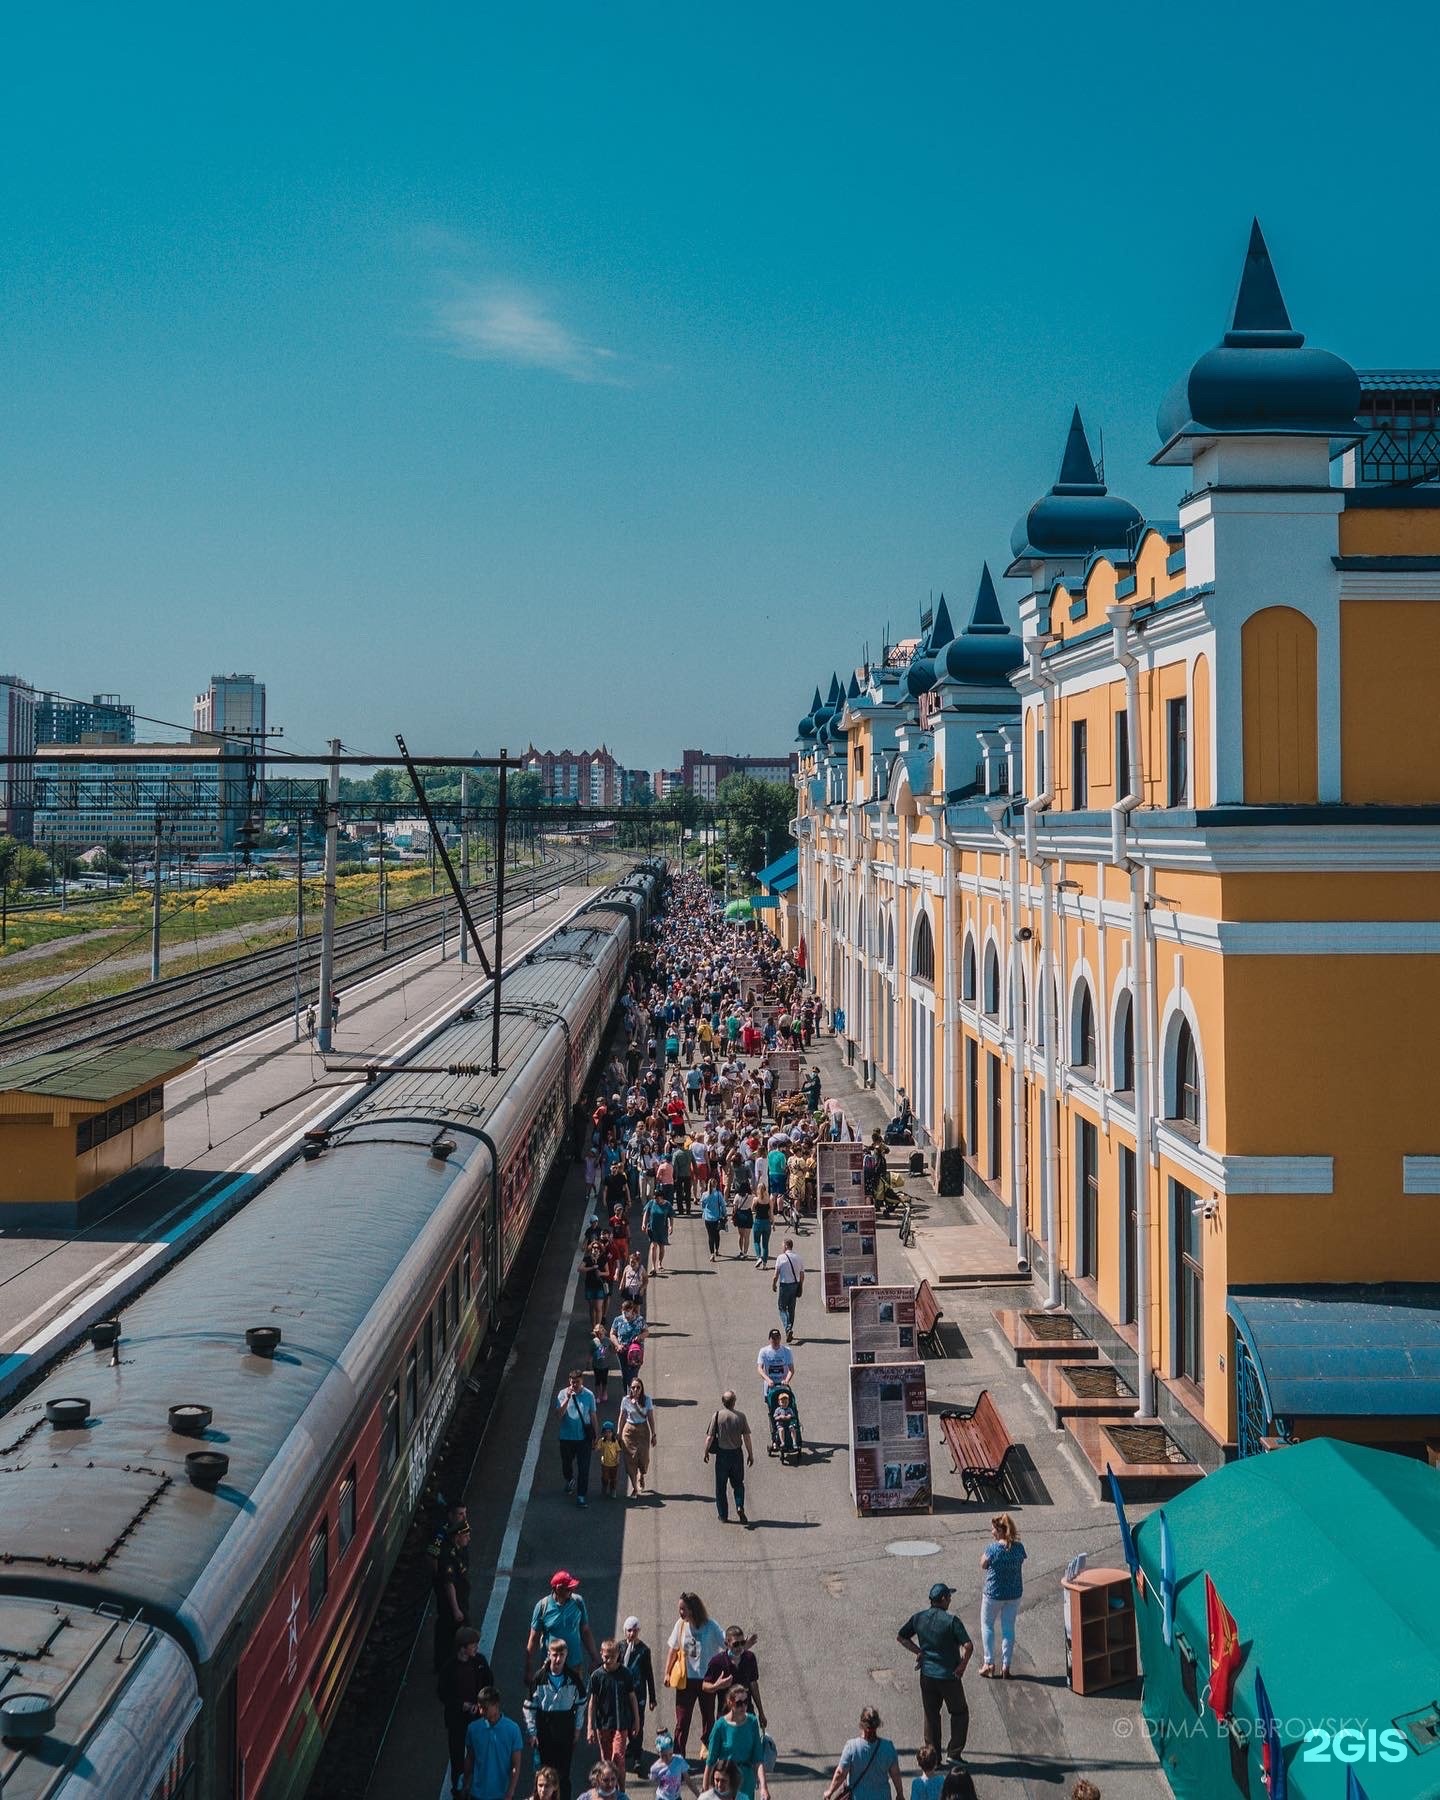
{"points": [[1328, 1557], [782, 874]]}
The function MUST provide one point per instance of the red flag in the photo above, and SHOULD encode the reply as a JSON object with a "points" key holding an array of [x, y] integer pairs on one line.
{"points": [[1224, 1652]]}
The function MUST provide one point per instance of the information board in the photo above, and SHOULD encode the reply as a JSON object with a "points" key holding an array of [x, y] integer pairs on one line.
{"points": [[839, 1174], [889, 1438], [882, 1325], [789, 1065], [847, 1249]]}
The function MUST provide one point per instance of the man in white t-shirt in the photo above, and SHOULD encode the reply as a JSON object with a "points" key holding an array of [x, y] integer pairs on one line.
{"points": [[788, 1285], [775, 1363]]}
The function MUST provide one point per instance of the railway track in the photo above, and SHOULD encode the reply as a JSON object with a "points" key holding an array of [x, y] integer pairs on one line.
{"points": [[198, 1010]]}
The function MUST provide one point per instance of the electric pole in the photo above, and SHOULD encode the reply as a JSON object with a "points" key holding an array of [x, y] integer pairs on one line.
{"points": [[464, 856], [327, 918], [155, 908]]}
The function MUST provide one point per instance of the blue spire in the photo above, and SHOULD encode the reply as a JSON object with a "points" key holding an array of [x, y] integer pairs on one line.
{"points": [[987, 615], [1259, 304], [816, 703], [1077, 467], [941, 631], [853, 691], [837, 693]]}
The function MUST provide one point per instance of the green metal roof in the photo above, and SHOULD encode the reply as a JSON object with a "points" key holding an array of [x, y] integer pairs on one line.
{"points": [[99, 1075], [1328, 1556]]}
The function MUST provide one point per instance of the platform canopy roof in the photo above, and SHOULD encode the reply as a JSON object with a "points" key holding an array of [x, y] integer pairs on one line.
{"points": [[782, 874], [1343, 1351]]}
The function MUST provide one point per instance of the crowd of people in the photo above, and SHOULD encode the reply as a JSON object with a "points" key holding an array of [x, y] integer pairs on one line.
{"points": [[699, 1117]]}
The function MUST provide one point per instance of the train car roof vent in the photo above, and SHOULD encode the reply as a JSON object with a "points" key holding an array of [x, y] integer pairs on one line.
{"points": [[317, 1139], [26, 1718], [262, 1340], [104, 1333], [67, 1415], [207, 1469], [442, 1148], [190, 1420]]}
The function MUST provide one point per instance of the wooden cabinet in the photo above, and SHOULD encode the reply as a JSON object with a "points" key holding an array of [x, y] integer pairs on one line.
{"points": [[1100, 1616]]}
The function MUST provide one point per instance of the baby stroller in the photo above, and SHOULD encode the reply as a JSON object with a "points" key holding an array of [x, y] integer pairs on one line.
{"points": [[787, 1440]]}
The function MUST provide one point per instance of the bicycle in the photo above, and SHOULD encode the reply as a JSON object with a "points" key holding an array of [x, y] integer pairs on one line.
{"points": [[907, 1228]]}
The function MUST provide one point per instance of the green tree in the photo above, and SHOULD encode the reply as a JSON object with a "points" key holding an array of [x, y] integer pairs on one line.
{"points": [[756, 817]]}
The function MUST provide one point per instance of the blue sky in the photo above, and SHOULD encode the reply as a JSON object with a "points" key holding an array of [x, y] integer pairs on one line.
{"points": [[583, 371]]}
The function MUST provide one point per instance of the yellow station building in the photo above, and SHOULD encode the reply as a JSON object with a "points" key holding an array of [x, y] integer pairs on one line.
{"points": [[1141, 905]]}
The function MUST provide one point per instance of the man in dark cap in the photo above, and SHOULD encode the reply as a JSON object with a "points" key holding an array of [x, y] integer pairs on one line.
{"points": [[942, 1649]]}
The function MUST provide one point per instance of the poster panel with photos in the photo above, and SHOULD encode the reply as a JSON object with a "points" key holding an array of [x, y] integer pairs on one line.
{"points": [[847, 1252], [839, 1174], [789, 1067], [889, 1438], [882, 1325]]}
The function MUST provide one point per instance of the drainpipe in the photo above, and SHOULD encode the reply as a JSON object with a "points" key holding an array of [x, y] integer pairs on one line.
{"points": [[1034, 648], [1142, 952], [951, 997], [1019, 1173], [1051, 1181]]}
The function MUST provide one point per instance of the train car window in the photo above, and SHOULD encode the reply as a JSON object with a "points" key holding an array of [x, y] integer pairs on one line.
{"points": [[442, 1320], [412, 1390], [319, 1568], [346, 1516], [429, 1351], [390, 1430], [82, 1144], [466, 1274], [455, 1294], [127, 1116]]}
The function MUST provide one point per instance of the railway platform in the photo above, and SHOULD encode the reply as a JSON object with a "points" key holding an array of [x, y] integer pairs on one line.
{"points": [[230, 1123], [825, 1592]]}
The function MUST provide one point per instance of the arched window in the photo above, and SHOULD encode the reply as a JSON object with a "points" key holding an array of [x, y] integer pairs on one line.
{"points": [[1185, 1083], [825, 903], [922, 960], [890, 942], [992, 982], [1082, 1028], [1124, 1072], [967, 970], [860, 943]]}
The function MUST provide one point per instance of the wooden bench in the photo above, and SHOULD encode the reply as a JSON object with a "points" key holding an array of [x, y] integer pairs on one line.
{"points": [[980, 1447], [928, 1315]]}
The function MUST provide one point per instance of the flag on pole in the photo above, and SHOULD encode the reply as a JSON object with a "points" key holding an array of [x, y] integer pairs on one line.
{"points": [[1167, 1580], [1224, 1637], [1272, 1750], [1353, 1789], [1132, 1561]]}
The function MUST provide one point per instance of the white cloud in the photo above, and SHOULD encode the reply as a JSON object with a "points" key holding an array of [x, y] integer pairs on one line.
{"points": [[495, 322]]}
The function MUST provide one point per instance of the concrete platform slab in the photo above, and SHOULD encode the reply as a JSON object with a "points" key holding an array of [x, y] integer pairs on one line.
{"points": [[967, 1256]]}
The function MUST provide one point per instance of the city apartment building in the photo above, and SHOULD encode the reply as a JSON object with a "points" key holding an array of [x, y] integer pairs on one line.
{"points": [[90, 794], [1139, 903], [577, 777], [702, 772]]}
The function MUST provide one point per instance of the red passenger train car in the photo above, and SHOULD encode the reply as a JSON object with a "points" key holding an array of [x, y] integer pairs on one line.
{"points": [[251, 1558]]}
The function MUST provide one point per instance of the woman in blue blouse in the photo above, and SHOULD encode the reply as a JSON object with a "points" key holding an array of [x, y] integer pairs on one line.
{"points": [[1000, 1603]]}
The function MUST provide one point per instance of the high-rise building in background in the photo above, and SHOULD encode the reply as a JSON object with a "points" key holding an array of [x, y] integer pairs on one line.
{"points": [[231, 712], [634, 787], [17, 738], [666, 781], [702, 773], [102, 719]]}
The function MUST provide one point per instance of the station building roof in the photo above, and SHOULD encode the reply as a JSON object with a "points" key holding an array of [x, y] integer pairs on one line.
{"points": [[96, 1077]]}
